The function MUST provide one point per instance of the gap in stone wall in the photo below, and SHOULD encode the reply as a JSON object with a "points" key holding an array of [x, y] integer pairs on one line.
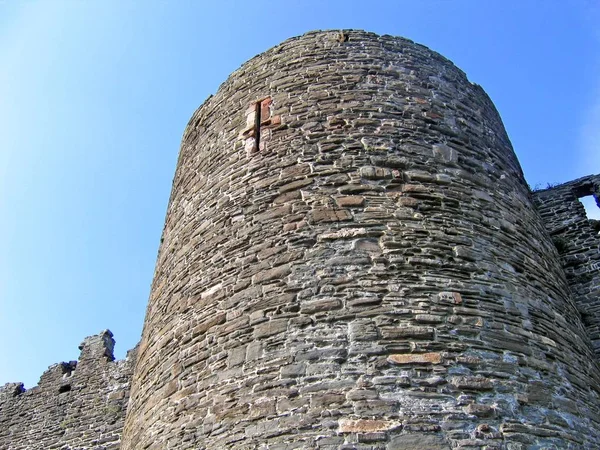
{"points": [[591, 208]]}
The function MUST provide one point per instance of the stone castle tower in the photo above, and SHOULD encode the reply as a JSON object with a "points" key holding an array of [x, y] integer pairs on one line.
{"points": [[352, 259]]}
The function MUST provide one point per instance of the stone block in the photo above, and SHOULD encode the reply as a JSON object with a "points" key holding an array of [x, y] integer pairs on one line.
{"points": [[471, 383], [236, 356], [479, 410], [295, 185], [418, 441], [375, 173], [293, 370], [320, 305], [407, 332], [273, 213], [407, 201], [445, 153], [450, 298], [287, 197], [273, 326], [367, 245], [416, 358], [362, 330], [367, 425], [320, 215], [466, 253], [345, 233], [349, 201], [429, 318], [276, 273], [327, 399]]}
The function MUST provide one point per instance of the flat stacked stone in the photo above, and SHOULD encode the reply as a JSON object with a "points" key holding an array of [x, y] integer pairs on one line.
{"points": [[351, 259]]}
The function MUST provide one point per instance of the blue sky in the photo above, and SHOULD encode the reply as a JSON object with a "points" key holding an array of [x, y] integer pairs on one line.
{"points": [[94, 97]]}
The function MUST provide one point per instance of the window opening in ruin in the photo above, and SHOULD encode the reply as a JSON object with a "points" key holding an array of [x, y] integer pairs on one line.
{"points": [[588, 195], [64, 388], [592, 209]]}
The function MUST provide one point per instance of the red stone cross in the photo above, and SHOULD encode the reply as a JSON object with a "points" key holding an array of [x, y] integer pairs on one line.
{"points": [[258, 117]]}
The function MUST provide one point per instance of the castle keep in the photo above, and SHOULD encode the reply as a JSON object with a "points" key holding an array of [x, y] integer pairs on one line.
{"points": [[351, 259]]}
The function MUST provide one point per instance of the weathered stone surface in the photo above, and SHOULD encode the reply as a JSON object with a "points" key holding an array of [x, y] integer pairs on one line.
{"points": [[577, 240], [350, 201], [376, 257], [270, 328], [320, 305], [76, 405], [371, 273], [408, 332], [479, 410], [329, 215], [429, 318], [474, 383], [276, 273], [418, 442], [452, 298]]}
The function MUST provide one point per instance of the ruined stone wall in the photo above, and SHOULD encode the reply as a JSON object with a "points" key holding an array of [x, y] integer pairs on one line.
{"points": [[76, 405], [351, 259], [577, 240]]}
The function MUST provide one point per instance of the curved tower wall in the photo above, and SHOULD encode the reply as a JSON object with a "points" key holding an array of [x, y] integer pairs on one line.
{"points": [[372, 272]]}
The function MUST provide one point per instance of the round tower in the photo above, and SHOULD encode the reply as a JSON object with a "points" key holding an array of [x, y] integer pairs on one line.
{"points": [[351, 259]]}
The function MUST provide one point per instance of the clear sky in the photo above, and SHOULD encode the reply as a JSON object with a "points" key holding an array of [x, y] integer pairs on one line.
{"points": [[95, 95]]}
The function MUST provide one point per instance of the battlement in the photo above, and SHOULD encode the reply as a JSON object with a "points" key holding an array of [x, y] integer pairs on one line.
{"points": [[76, 404], [11, 390], [98, 346]]}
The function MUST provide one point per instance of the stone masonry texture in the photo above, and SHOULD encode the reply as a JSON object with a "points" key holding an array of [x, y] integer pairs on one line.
{"points": [[351, 259], [577, 240], [76, 405]]}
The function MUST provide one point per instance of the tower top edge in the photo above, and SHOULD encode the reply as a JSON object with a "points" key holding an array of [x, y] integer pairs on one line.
{"points": [[328, 38]]}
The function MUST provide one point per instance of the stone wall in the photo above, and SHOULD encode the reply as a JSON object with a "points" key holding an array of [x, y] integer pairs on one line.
{"points": [[76, 405], [351, 259], [578, 242]]}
